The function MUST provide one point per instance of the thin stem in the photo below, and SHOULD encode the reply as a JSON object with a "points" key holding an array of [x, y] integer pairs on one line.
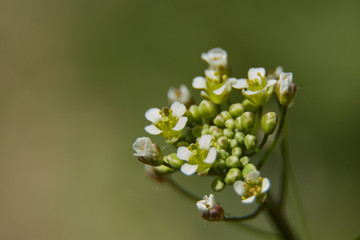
{"points": [[258, 119], [284, 149], [182, 190], [271, 147], [278, 218], [261, 145], [245, 217]]}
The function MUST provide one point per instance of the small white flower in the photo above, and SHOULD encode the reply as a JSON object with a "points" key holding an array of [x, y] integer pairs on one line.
{"points": [[167, 122], [256, 88], [285, 89], [276, 73], [199, 157], [181, 95], [147, 152], [252, 187], [216, 58], [209, 209]]}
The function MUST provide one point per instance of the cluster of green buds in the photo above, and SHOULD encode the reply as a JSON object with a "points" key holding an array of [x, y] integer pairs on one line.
{"points": [[216, 137]]}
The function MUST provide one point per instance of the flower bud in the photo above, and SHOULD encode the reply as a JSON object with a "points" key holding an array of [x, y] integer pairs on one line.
{"points": [[233, 143], [268, 123], [223, 142], [218, 184], [217, 132], [219, 121], [240, 137], [230, 123], [196, 131], [232, 176], [219, 165], [250, 141], [248, 169], [244, 161], [194, 110], [147, 152], [207, 109], [236, 110], [181, 95], [248, 121], [223, 154], [228, 133], [285, 89], [249, 106], [233, 162], [238, 124], [173, 160], [236, 151], [210, 210], [226, 115]]}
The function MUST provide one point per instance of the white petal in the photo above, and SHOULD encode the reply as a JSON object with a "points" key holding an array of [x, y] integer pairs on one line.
{"points": [[210, 73], [249, 200], [205, 141], [171, 94], [201, 206], [199, 83], [265, 185], [271, 82], [183, 153], [279, 70], [240, 187], [249, 92], [253, 73], [241, 83], [141, 143], [220, 90], [253, 177], [188, 169], [211, 201], [211, 157], [152, 129], [178, 109], [153, 115], [180, 124]]}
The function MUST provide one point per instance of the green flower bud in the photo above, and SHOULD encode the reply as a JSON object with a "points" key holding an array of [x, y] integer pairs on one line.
{"points": [[224, 154], [219, 121], [248, 121], [233, 162], [238, 124], [228, 133], [250, 141], [268, 123], [226, 115], [223, 142], [205, 132], [219, 165], [218, 184], [249, 106], [173, 161], [230, 123], [217, 132], [196, 131], [236, 110], [211, 129], [233, 143], [194, 110], [207, 109], [206, 126], [164, 169], [244, 160], [236, 151], [240, 137], [232, 176], [182, 144], [248, 169]]}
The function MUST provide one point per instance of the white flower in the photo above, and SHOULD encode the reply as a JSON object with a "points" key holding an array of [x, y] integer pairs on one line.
{"points": [[210, 209], [252, 187], [258, 89], [147, 152], [167, 122], [216, 58], [276, 73], [285, 89], [181, 95], [199, 157]]}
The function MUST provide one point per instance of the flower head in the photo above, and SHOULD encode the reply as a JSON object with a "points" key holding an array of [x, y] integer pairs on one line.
{"points": [[217, 59], [147, 152], [181, 95], [285, 89], [167, 122], [258, 89], [209, 209], [253, 186], [199, 157]]}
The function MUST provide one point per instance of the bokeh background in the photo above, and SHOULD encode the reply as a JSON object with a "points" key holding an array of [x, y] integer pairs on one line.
{"points": [[77, 76]]}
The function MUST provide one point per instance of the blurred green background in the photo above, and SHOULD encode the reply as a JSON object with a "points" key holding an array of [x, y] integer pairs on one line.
{"points": [[77, 76]]}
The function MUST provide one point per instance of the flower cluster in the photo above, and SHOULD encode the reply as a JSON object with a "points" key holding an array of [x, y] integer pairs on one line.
{"points": [[217, 137]]}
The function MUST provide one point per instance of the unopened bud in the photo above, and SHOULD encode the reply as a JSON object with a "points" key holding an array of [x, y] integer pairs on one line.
{"points": [[218, 184], [223, 142], [217, 132], [219, 121], [226, 115], [233, 143], [194, 110], [207, 109], [250, 141], [173, 160], [223, 154], [248, 169], [210, 210], [268, 123], [249, 106], [248, 121], [228, 133], [232, 176], [238, 124], [230, 123], [236, 151], [196, 131], [219, 165], [244, 160], [285, 89], [236, 110], [240, 137], [147, 152], [233, 162]]}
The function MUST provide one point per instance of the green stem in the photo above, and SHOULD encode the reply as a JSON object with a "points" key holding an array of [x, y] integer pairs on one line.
{"points": [[284, 149], [258, 120], [245, 217], [261, 145], [271, 147]]}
